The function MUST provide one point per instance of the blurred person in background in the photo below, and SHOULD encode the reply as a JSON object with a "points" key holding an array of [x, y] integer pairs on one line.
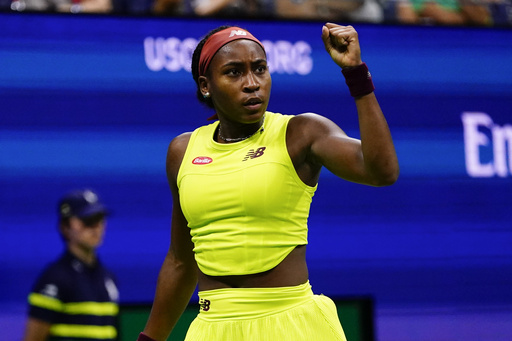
{"points": [[353, 10], [145, 7], [166, 7], [75, 297], [65, 6], [440, 12], [501, 11], [371, 11], [215, 8], [5, 5]]}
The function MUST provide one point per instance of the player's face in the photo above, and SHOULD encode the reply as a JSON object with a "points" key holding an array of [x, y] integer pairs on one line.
{"points": [[239, 81]]}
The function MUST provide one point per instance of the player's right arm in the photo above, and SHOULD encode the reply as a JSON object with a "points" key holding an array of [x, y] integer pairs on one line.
{"points": [[178, 275]]}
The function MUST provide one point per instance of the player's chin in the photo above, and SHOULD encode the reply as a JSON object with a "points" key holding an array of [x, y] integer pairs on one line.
{"points": [[255, 111]]}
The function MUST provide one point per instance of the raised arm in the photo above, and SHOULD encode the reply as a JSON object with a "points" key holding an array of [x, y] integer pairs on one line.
{"points": [[178, 276], [371, 160]]}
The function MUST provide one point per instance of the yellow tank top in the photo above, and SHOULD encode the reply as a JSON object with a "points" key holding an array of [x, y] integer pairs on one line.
{"points": [[246, 207]]}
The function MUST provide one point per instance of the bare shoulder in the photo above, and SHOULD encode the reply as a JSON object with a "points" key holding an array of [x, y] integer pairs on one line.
{"points": [[175, 153], [311, 124], [304, 118], [179, 143]]}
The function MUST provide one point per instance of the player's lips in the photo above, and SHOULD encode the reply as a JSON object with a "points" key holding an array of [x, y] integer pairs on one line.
{"points": [[253, 103]]}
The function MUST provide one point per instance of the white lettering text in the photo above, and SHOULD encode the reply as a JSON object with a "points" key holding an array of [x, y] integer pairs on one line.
{"points": [[476, 141], [173, 54]]}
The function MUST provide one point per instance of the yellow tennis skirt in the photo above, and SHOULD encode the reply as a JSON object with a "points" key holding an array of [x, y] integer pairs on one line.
{"points": [[265, 314]]}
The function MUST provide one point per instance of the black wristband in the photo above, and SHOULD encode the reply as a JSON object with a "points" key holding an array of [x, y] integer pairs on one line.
{"points": [[359, 80]]}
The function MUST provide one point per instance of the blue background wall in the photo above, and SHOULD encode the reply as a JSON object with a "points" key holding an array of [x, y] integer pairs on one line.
{"points": [[84, 102]]}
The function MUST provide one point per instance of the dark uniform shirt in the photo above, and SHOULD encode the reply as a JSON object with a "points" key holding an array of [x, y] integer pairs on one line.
{"points": [[79, 301]]}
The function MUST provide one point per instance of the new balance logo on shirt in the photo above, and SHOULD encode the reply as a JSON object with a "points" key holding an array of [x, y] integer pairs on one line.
{"points": [[252, 154]]}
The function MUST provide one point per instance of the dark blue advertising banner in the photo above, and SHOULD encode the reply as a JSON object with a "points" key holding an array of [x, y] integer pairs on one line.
{"points": [[93, 101]]}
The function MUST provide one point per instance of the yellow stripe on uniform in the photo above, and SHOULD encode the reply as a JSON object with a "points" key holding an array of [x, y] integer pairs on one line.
{"points": [[74, 308], [92, 332], [43, 301], [91, 308]]}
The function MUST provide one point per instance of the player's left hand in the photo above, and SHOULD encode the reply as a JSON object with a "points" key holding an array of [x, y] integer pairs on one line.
{"points": [[342, 44]]}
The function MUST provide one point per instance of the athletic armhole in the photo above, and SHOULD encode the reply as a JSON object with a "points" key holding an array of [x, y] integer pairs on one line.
{"points": [[185, 157]]}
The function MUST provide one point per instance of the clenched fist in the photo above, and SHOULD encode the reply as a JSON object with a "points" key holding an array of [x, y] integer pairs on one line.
{"points": [[342, 44]]}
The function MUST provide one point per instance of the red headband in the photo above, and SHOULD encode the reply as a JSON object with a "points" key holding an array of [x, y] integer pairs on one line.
{"points": [[219, 39]]}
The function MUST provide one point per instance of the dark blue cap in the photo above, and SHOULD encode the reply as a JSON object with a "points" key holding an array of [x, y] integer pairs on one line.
{"points": [[82, 204]]}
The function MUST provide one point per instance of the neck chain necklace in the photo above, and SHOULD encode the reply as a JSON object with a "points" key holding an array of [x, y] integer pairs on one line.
{"points": [[238, 139]]}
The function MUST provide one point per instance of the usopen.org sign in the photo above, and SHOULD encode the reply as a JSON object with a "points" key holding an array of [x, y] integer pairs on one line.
{"points": [[174, 54]]}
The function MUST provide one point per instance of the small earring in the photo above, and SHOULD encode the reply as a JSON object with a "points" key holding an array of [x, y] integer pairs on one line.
{"points": [[206, 95]]}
